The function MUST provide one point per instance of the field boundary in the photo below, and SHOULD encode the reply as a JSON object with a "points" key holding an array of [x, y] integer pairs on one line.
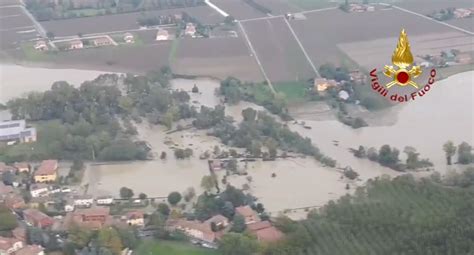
{"points": [[254, 53]]}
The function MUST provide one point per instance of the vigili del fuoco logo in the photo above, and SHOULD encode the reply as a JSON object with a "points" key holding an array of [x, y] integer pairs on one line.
{"points": [[403, 74]]}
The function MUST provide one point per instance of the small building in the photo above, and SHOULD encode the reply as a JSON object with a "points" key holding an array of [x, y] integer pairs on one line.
{"points": [[16, 131], [76, 44], [37, 219], [357, 76], [31, 250], [249, 215], [322, 84], [162, 35], [47, 171], [135, 218], [128, 38], [190, 30], [9, 245], [265, 232], [39, 190], [219, 221], [22, 167], [460, 13], [41, 46], [102, 41], [83, 201], [107, 200]]}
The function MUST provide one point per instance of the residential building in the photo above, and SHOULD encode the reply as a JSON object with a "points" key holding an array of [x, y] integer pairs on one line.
{"points": [[47, 171], [102, 41], [31, 250], [22, 167], [128, 38], [219, 221], [9, 245], [135, 218], [41, 46], [14, 201], [36, 218], [265, 232], [108, 200], [162, 35], [196, 231], [322, 84], [16, 131], [76, 44], [39, 189], [190, 30], [19, 233], [91, 218], [83, 201], [249, 215]]}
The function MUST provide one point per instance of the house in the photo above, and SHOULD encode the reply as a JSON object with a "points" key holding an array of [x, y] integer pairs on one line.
{"points": [[47, 171], [92, 218], [31, 250], [198, 232], [105, 200], [265, 232], [162, 35], [322, 84], [135, 218], [215, 165], [9, 245], [102, 41], [219, 221], [22, 167], [41, 46], [83, 201], [76, 44], [39, 189], [128, 38], [190, 30], [14, 201], [343, 95], [16, 131], [36, 218], [462, 13], [249, 215], [19, 233]]}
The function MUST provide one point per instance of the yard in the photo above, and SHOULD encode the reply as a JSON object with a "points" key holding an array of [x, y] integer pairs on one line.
{"points": [[172, 248], [294, 91]]}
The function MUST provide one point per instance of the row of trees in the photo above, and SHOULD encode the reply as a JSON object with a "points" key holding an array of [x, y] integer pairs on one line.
{"points": [[464, 151]]}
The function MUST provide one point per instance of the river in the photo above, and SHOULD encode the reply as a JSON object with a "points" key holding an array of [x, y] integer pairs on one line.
{"points": [[445, 113]]}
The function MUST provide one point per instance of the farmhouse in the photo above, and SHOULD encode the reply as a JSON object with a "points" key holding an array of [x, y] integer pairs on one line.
{"points": [[322, 84], [41, 46], [102, 41], [9, 245], [16, 131], [190, 30], [37, 219], [47, 171], [128, 38], [76, 44], [219, 221], [162, 35], [249, 215]]}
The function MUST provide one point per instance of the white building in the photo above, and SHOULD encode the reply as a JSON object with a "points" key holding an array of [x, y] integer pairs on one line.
{"points": [[83, 201], [128, 38], [105, 200], [41, 46], [162, 35], [16, 130], [39, 190], [69, 207]]}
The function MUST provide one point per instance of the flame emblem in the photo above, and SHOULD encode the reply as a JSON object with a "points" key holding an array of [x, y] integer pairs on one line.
{"points": [[402, 58]]}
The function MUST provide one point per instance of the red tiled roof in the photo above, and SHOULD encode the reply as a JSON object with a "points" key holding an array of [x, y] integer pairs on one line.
{"points": [[93, 211], [4, 189], [47, 167], [270, 234], [4, 167], [21, 165], [19, 233], [36, 215], [259, 225], [217, 219], [29, 250]]}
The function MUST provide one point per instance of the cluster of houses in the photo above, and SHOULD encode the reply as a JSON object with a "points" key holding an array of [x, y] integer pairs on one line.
{"points": [[322, 85], [453, 13], [209, 232]]}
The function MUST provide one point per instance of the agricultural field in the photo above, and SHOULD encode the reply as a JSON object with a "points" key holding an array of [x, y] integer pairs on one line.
{"points": [[377, 53], [312, 4], [119, 22], [279, 7], [217, 57], [278, 51], [238, 9], [9, 2], [15, 27], [172, 248], [321, 41]]}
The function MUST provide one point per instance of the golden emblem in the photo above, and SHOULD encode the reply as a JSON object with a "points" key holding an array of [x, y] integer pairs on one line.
{"points": [[402, 58]]}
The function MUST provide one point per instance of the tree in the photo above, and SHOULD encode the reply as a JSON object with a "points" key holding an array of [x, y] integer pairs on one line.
{"points": [[465, 155], [249, 114], [450, 150], [163, 155], [208, 182], [110, 239], [232, 165], [174, 198], [237, 244], [189, 194], [126, 193], [195, 89], [238, 225], [8, 220], [79, 237], [142, 196], [50, 35], [164, 209]]}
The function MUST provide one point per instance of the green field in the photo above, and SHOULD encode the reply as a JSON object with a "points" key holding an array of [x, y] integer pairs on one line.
{"points": [[293, 90], [172, 248]]}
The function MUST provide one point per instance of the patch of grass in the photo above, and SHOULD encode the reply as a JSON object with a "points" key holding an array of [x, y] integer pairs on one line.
{"points": [[293, 90], [173, 51], [172, 248]]}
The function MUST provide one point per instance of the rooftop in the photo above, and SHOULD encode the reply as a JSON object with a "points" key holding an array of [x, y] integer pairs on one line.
{"points": [[245, 211], [47, 167], [35, 214], [29, 250], [7, 243]]}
